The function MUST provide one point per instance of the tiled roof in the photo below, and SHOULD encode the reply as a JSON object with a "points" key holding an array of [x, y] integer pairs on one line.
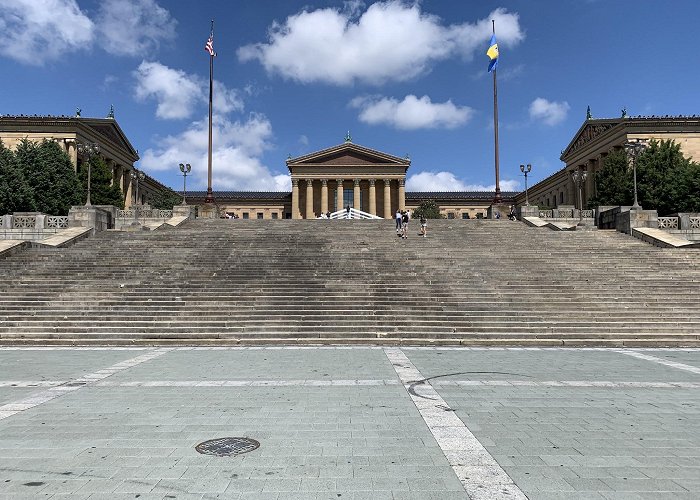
{"points": [[242, 195], [410, 195], [456, 195]]}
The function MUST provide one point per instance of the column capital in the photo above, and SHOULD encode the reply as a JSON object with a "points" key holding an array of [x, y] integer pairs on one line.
{"points": [[387, 182], [324, 182], [295, 182], [371, 182], [339, 181], [356, 182], [308, 181], [402, 182]]}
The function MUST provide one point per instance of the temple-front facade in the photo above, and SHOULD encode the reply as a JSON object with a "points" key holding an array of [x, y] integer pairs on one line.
{"points": [[347, 175], [595, 139], [69, 131]]}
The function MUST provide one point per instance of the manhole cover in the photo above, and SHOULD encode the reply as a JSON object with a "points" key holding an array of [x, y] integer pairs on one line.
{"points": [[227, 447]]}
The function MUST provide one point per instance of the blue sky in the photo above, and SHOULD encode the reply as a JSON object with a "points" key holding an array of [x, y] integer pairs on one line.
{"points": [[406, 78]]}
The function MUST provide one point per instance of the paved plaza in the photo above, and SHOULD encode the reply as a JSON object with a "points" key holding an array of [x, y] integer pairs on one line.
{"points": [[350, 423]]}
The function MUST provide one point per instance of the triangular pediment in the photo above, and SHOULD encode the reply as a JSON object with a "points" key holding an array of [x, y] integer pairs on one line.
{"points": [[109, 129], [348, 154], [589, 132]]}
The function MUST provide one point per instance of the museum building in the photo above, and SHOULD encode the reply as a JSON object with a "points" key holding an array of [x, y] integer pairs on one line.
{"points": [[595, 139], [70, 131], [347, 175], [351, 175]]}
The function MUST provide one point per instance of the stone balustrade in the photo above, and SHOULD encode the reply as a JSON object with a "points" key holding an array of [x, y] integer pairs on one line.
{"points": [[33, 226]]}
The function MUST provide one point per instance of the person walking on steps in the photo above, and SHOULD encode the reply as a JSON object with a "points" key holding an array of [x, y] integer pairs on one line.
{"points": [[404, 225], [423, 226], [398, 221]]}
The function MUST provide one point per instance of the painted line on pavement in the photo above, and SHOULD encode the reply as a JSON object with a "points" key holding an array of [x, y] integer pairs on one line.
{"points": [[9, 409], [481, 476], [246, 383], [605, 384], [661, 361]]}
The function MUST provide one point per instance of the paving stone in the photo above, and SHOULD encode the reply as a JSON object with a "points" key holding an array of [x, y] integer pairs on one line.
{"points": [[357, 440]]}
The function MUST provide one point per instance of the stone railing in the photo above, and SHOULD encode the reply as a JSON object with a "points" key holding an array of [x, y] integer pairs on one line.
{"points": [[668, 222], [566, 213], [31, 226], [146, 213], [57, 222], [694, 222], [24, 221]]}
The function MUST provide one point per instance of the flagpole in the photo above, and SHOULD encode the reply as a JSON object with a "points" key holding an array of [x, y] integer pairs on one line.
{"points": [[497, 197], [210, 195]]}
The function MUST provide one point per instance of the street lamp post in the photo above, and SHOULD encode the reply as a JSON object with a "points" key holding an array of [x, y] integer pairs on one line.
{"points": [[185, 168], [579, 177], [526, 170], [88, 150], [137, 176], [634, 149]]}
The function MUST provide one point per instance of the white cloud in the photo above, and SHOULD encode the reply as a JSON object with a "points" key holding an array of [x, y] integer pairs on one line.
{"points": [[235, 160], [133, 27], [548, 112], [411, 113], [178, 94], [446, 181], [391, 41], [37, 31]]}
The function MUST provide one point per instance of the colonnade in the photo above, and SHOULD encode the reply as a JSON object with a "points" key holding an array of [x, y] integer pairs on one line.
{"points": [[121, 174], [398, 193]]}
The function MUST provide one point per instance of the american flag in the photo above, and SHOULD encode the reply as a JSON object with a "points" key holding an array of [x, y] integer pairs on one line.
{"points": [[209, 47]]}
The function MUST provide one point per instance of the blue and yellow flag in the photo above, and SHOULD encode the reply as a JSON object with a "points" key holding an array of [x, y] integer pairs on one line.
{"points": [[493, 53]]}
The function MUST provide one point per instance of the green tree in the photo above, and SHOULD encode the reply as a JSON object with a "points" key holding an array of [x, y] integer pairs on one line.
{"points": [[428, 209], [614, 184], [15, 192], [101, 192], [165, 199], [50, 175], [662, 177], [689, 187]]}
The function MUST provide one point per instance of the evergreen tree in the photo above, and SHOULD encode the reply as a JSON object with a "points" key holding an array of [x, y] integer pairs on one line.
{"points": [[165, 199], [428, 209], [50, 174], [662, 177], [689, 187], [15, 192], [101, 192], [614, 183]]}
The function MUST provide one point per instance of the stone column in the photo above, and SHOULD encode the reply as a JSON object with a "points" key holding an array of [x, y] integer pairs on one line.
{"points": [[295, 199], [402, 194], [324, 195], [72, 153], [387, 199], [372, 198], [111, 165], [590, 177], [309, 199], [118, 177], [129, 196], [339, 200], [356, 195]]}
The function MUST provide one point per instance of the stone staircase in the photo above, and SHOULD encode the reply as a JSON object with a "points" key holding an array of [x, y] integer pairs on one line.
{"points": [[475, 282]]}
